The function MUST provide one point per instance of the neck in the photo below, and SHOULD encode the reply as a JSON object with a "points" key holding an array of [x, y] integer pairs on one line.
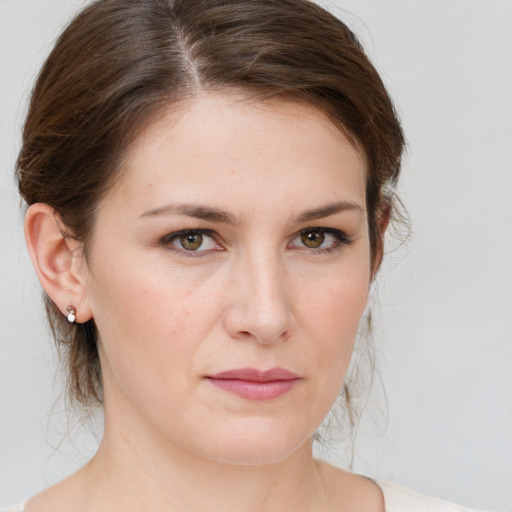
{"points": [[139, 468], [153, 474]]}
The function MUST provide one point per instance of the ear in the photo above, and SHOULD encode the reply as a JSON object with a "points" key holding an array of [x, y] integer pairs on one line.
{"points": [[382, 225], [57, 260]]}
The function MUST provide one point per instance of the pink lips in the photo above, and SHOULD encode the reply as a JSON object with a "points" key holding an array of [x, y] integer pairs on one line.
{"points": [[254, 384]]}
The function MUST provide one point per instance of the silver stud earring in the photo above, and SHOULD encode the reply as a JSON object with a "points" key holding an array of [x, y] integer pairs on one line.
{"points": [[72, 314]]}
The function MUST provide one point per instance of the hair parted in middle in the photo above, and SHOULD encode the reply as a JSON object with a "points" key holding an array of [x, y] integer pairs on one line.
{"points": [[120, 63]]}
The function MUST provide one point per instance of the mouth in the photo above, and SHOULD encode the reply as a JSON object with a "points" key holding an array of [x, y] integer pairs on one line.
{"points": [[254, 384]]}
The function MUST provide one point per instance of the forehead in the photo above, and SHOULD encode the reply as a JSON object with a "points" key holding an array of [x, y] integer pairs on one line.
{"points": [[216, 146]]}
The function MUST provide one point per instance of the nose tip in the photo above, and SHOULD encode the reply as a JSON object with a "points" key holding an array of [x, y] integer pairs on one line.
{"points": [[266, 329], [260, 308]]}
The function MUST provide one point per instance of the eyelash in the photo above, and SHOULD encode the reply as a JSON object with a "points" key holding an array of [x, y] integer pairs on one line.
{"points": [[167, 241], [340, 239], [339, 236]]}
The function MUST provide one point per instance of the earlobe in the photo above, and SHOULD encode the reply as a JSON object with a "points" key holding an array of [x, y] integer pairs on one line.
{"points": [[56, 260]]}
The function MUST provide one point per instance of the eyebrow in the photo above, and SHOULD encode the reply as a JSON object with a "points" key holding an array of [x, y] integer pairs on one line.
{"points": [[327, 211], [191, 210], [216, 215]]}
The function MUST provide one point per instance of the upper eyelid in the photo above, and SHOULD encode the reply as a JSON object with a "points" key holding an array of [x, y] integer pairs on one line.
{"points": [[213, 233], [175, 234], [338, 233]]}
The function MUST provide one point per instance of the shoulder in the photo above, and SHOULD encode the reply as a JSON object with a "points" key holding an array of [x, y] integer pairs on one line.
{"points": [[400, 499], [350, 491]]}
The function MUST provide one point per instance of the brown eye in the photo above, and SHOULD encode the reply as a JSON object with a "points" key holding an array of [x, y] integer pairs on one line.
{"points": [[313, 239], [191, 241]]}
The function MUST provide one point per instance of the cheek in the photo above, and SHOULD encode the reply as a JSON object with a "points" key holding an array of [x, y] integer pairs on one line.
{"points": [[125, 314], [148, 323], [331, 319]]}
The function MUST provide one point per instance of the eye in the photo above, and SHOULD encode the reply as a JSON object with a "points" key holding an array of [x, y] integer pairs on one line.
{"points": [[313, 239], [320, 240], [191, 241]]}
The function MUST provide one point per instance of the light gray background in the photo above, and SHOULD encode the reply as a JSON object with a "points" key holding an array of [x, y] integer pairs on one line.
{"points": [[444, 320]]}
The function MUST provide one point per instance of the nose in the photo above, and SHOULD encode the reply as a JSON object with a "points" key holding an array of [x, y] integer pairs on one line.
{"points": [[259, 304]]}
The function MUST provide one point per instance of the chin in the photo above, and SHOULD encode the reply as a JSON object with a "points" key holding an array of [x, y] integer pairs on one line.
{"points": [[257, 445]]}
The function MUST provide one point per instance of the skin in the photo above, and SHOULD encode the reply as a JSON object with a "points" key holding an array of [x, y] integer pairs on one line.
{"points": [[253, 293]]}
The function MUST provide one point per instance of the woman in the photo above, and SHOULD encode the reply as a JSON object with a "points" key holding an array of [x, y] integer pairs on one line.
{"points": [[208, 187]]}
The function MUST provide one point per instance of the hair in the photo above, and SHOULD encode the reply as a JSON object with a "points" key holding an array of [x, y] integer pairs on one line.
{"points": [[120, 63]]}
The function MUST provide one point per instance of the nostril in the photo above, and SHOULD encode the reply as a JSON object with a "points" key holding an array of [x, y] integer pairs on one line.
{"points": [[263, 315]]}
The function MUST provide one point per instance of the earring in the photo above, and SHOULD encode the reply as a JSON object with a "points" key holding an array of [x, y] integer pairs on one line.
{"points": [[72, 314]]}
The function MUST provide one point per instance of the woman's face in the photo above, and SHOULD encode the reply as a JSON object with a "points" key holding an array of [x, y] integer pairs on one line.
{"points": [[228, 272]]}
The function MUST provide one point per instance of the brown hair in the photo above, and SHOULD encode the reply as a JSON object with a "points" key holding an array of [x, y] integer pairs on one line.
{"points": [[119, 62]]}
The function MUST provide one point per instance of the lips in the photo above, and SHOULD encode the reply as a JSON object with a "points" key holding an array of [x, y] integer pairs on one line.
{"points": [[254, 384]]}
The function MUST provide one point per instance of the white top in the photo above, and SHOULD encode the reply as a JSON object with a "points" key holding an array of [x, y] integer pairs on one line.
{"points": [[396, 498], [400, 499]]}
